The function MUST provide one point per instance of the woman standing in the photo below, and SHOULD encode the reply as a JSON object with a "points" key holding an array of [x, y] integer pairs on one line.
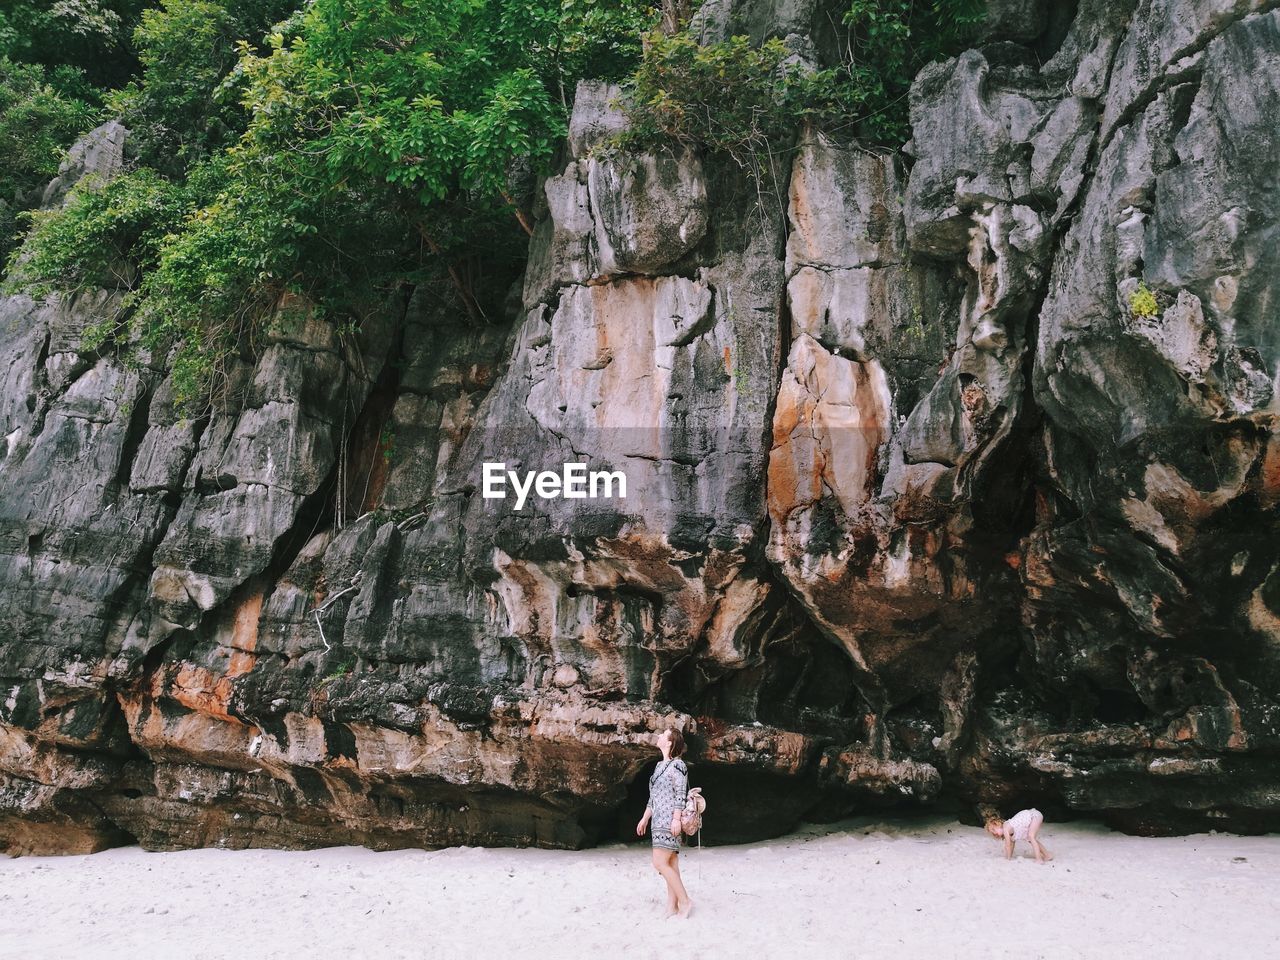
{"points": [[667, 788]]}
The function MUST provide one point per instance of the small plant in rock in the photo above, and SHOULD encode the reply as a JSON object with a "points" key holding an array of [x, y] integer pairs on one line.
{"points": [[341, 670], [1143, 304], [387, 441], [915, 329]]}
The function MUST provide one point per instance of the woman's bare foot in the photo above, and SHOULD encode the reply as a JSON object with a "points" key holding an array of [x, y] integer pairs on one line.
{"points": [[685, 910]]}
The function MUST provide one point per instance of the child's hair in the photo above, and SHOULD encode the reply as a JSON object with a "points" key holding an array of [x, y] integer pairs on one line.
{"points": [[992, 822], [677, 742]]}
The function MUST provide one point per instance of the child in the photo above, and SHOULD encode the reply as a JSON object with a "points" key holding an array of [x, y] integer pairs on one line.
{"points": [[1023, 825]]}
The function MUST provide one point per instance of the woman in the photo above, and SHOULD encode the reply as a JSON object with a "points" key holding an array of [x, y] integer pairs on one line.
{"points": [[667, 788]]}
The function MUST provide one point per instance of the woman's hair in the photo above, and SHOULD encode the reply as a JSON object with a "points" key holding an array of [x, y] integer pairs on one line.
{"points": [[677, 742]]}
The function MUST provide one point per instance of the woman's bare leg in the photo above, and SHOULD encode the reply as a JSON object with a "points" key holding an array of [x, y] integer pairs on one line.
{"points": [[685, 906], [1042, 852], [666, 863], [659, 863]]}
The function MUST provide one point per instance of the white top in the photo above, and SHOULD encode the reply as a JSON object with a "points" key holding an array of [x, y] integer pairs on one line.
{"points": [[1020, 823]]}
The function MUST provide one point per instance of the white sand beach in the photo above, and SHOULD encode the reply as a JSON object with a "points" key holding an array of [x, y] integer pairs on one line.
{"points": [[859, 889]]}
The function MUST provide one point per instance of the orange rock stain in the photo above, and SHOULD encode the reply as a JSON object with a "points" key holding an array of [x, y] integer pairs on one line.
{"points": [[207, 691]]}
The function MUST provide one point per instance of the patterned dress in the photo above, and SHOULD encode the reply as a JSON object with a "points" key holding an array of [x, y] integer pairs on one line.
{"points": [[667, 788]]}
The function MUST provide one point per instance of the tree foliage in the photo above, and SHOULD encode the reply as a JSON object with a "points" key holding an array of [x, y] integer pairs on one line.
{"points": [[88, 39], [57, 59], [889, 41], [185, 104], [438, 98], [105, 235]]}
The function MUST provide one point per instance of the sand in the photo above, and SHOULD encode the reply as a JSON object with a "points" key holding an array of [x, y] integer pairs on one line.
{"points": [[859, 889]]}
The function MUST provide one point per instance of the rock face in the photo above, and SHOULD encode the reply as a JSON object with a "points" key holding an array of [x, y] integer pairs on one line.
{"points": [[919, 508]]}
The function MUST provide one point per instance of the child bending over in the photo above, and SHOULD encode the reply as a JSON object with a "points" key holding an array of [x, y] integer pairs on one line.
{"points": [[1023, 825]]}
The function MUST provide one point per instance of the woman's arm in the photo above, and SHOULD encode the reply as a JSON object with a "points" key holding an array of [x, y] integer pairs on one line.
{"points": [[644, 821]]}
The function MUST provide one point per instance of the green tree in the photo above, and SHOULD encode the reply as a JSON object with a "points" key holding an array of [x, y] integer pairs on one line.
{"points": [[37, 122], [401, 92], [185, 104], [92, 37]]}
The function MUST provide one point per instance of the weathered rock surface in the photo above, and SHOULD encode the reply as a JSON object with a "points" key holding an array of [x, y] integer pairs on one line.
{"points": [[919, 509]]}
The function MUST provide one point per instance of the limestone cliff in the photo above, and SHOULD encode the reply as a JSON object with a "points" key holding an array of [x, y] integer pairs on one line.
{"points": [[919, 509]]}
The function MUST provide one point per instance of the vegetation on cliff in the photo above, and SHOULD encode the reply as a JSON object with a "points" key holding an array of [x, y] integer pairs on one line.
{"points": [[333, 150], [57, 61], [741, 98]]}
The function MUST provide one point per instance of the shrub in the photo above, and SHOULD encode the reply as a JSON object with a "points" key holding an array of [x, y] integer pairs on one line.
{"points": [[737, 97], [104, 236], [84, 43], [734, 97], [1143, 304]]}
